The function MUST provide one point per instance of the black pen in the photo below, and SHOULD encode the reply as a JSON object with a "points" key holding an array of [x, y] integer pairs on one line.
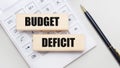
{"points": [[101, 34]]}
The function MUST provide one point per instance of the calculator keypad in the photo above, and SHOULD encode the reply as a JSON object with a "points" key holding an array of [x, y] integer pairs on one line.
{"points": [[24, 39]]}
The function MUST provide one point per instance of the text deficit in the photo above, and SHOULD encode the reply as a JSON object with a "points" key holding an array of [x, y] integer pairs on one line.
{"points": [[57, 42], [42, 22]]}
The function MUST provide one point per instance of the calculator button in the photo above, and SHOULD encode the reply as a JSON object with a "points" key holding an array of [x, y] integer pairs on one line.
{"points": [[23, 39], [14, 32], [75, 29], [10, 22], [31, 7], [21, 11], [59, 3], [37, 12], [71, 19], [65, 9], [28, 33], [28, 48], [41, 1], [47, 9], [34, 56]]}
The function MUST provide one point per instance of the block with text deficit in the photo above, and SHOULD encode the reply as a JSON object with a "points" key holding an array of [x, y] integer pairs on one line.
{"points": [[58, 42], [42, 22]]}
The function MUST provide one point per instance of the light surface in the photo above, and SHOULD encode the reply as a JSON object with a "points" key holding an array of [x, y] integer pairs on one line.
{"points": [[107, 15], [4, 4]]}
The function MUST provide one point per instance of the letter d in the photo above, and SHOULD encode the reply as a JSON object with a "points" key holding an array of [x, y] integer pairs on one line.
{"points": [[44, 42]]}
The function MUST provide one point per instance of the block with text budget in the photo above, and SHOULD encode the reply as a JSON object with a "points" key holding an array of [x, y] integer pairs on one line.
{"points": [[58, 42], [42, 22]]}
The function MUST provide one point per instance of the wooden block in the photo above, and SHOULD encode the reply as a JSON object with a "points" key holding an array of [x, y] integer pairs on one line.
{"points": [[58, 42], [42, 22]]}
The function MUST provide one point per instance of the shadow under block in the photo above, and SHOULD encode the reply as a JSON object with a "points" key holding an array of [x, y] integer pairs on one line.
{"points": [[58, 42], [42, 22]]}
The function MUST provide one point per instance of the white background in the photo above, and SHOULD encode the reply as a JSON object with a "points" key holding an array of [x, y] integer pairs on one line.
{"points": [[107, 15]]}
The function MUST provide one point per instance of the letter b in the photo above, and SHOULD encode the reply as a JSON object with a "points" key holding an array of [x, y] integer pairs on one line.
{"points": [[27, 21]]}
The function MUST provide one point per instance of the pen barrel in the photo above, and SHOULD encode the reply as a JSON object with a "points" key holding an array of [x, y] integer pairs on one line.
{"points": [[99, 31], [103, 37]]}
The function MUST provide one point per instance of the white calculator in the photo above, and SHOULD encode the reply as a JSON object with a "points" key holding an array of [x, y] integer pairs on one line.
{"points": [[23, 40]]}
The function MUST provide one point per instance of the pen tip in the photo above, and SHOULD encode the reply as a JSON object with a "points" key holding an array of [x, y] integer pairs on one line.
{"points": [[83, 9]]}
